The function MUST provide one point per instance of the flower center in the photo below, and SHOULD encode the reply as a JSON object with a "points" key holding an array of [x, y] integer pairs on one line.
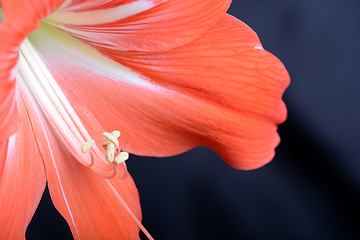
{"points": [[35, 78]]}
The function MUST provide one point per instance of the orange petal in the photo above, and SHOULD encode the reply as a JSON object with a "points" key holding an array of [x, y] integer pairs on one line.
{"points": [[21, 17], [146, 25], [28, 12], [221, 90], [8, 59], [22, 178], [91, 205]]}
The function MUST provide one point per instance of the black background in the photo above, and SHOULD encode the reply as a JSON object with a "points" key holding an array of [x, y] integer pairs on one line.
{"points": [[311, 189]]}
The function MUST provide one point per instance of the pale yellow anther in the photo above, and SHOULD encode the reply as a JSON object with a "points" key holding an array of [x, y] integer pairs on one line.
{"points": [[110, 145], [112, 137], [122, 157], [87, 145], [110, 152], [116, 133]]}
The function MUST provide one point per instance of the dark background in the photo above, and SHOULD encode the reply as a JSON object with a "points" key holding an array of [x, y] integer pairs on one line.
{"points": [[311, 190]]}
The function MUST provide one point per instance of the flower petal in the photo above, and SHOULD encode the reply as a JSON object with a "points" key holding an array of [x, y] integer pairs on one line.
{"points": [[28, 12], [21, 17], [146, 25], [8, 59], [222, 90], [22, 177]]}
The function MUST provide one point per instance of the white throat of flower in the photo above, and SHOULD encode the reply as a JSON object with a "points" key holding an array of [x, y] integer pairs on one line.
{"points": [[35, 78]]}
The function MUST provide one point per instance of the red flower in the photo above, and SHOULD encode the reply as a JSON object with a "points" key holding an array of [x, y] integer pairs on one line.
{"points": [[171, 75]]}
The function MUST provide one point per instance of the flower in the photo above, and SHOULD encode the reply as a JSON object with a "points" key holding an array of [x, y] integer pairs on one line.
{"points": [[170, 75]]}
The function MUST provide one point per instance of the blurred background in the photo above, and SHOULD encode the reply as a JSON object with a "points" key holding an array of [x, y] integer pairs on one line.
{"points": [[311, 190]]}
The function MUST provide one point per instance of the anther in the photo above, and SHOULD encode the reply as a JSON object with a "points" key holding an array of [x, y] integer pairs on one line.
{"points": [[87, 145], [110, 152], [112, 137], [122, 157], [111, 145]]}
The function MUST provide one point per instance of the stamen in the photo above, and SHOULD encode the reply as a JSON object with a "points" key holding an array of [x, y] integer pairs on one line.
{"points": [[125, 171], [110, 152], [114, 172], [86, 147], [35, 76], [111, 145], [112, 137]]}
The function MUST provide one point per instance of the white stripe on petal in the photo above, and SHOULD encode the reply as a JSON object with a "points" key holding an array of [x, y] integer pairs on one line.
{"points": [[64, 4], [107, 15], [57, 44], [34, 75]]}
